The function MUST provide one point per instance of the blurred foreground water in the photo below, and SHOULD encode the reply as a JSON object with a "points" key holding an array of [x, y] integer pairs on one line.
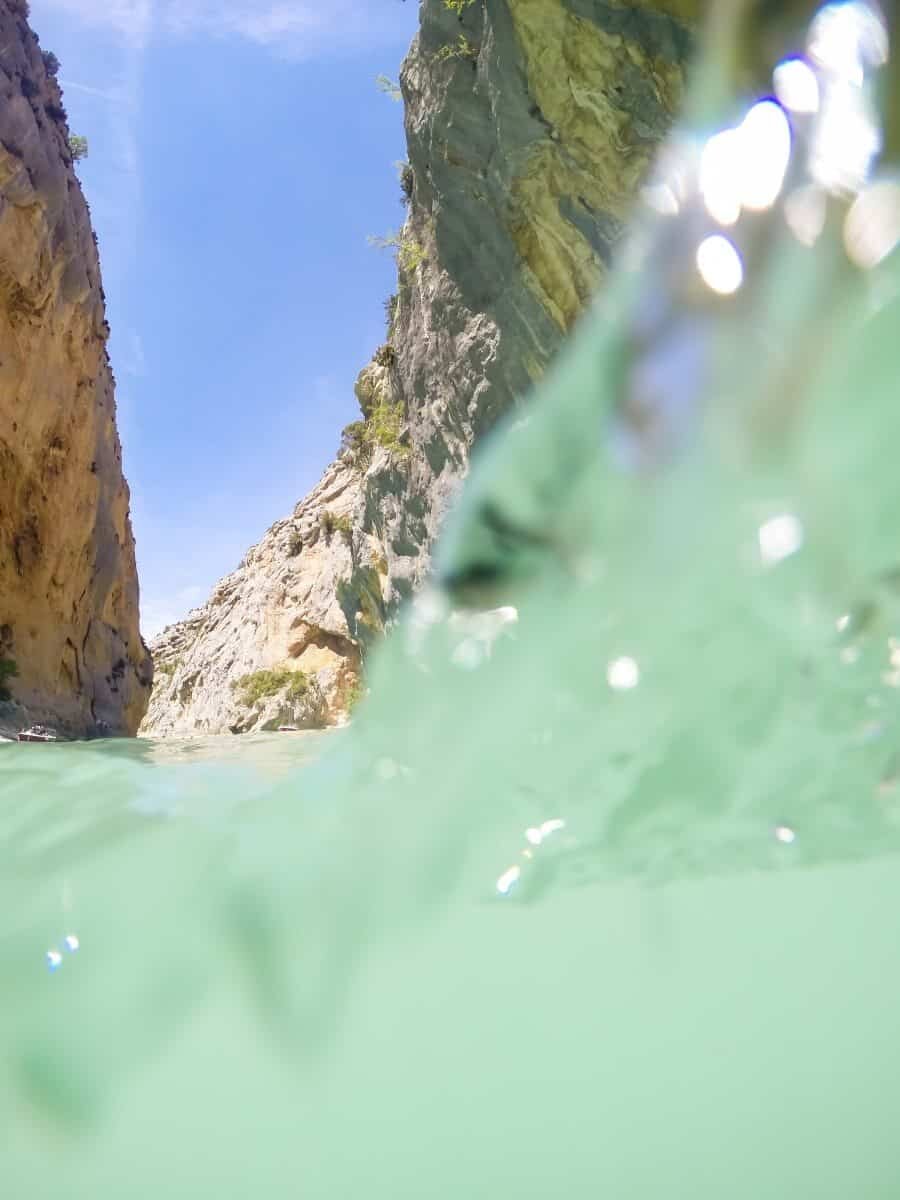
{"points": [[599, 900]]}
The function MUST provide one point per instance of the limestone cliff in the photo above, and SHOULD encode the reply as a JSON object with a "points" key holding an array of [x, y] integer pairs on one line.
{"points": [[287, 613], [530, 124], [70, 649]]}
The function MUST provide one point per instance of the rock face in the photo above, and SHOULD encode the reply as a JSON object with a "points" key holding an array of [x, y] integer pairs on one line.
{"points": [[68, 584], [289, 610], [530, 124]]}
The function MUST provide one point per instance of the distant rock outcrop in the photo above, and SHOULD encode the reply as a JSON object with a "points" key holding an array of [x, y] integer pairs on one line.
{"points": [[293, 614], [530, 124], [71, 653]]}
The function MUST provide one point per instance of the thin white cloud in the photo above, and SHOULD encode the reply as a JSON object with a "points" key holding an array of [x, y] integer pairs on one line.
{"points": [[133, 360], [297, 28], [131, 19], [114, 96]]}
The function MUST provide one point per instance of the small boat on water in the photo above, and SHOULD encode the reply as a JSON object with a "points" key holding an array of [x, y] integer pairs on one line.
{"points": [[38, 733], [288, 729]]}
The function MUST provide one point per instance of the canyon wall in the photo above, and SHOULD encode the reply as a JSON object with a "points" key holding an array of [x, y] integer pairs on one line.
{"points": [[530, 125], [70, 647]]}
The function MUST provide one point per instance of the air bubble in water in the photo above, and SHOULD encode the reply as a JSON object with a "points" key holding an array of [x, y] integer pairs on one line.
{"points": [[623, 674], [780, 538], [508, 880]]}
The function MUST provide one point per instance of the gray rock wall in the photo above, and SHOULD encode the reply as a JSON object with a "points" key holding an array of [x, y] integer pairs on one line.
{"points": [[530, 124]]}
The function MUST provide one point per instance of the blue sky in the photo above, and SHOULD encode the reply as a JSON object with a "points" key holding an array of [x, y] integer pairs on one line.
{"points": [[240, 154]]}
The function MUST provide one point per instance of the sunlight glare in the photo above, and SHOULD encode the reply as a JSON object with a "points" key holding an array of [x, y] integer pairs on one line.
{"points": [[796, 86], [872, 226], [720, 265]]}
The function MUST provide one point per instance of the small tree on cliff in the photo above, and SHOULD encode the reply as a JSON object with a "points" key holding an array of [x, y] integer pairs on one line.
{"points": [[78, 147]]}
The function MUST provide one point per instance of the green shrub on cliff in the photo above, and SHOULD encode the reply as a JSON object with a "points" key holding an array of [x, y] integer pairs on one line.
{"points": [[8, 670], [78, 147], [258, 685], [385, 424], [335, 523], [461, 48], [410, 253], [410, 256]]}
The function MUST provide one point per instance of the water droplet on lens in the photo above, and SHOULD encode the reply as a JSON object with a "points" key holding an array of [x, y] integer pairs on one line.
{"points": [[661, 198], [872, 226], [720, 265], [718, 179], [386, 769], [765, 151], [779, 538], [805, 211], [469, 655]]}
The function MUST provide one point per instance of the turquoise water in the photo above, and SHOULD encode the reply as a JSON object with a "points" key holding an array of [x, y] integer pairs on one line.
{"points": [[596, 901]]}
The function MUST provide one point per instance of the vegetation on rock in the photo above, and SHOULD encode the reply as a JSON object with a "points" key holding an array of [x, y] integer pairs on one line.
{"points": [[461, 48], [258, 685], [78, 147], [8, 670], [407, 178], [336, 523], [410, 253], [355, 694], [385, 355], [390, 88]]}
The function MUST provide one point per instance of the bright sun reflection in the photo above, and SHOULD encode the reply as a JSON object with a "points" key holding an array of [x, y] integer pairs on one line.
{"points": [[508, 880], [796, 86], [744, 168], [718, 181], [846, 40], [847, 37], [623, 674], [872, 227], [805, 211], [765, 149], [539, 833], [720, 265], [846, 141]]}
